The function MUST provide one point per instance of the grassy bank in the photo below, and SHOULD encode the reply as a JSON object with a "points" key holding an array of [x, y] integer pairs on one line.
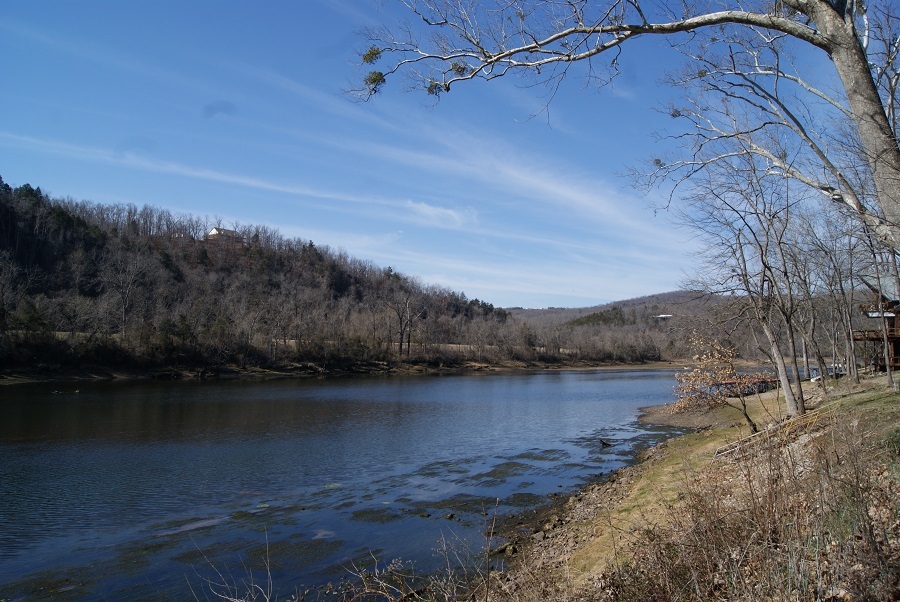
{"points": [[811, 513]]}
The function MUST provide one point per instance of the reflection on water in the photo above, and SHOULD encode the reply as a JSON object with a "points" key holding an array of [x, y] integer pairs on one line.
{"points": [[141, 488]]}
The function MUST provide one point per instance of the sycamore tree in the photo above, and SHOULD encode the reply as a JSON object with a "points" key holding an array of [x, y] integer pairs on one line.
{"points": [[749, 60]]}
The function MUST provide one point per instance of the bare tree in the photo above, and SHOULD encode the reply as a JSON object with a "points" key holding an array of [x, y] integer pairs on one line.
{"points": [[742, 217], [881, 285], [10, 292], [454, 41], [403, 297], [831, 243], [123, 270], [713, 381]]}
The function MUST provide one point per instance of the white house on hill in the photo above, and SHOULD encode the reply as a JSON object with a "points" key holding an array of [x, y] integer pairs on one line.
{"points": [[232, 236]]}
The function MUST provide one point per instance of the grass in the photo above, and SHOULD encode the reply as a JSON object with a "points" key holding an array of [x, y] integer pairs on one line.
{"points": [[658, 484], [811, 518], [795, 520]]}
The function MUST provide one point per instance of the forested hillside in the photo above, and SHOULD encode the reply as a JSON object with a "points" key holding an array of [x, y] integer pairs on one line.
{"points": [[659, 325], [117, 286]]}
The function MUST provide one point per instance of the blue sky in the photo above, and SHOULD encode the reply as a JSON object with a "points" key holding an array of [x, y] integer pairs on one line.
{"points": [[235, 110]]}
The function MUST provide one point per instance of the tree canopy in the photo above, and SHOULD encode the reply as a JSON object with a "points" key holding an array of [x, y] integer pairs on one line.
{"points": [[741, 53]]}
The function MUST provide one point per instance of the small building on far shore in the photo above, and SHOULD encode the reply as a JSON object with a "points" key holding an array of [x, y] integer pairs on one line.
{"points": [[225, 235]]}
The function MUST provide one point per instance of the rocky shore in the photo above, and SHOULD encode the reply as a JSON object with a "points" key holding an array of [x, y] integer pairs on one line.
{"points": [[573, 549], [542, 547]]}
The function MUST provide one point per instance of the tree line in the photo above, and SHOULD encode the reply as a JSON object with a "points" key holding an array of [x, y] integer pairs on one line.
{"points": [[83, 283]]}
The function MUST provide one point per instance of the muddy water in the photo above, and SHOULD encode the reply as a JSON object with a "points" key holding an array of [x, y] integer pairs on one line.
{"points": [[155, 490]]}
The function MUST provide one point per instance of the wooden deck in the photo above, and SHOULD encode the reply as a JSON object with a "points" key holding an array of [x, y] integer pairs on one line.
{"points": [[875, 335], [735, 388]]}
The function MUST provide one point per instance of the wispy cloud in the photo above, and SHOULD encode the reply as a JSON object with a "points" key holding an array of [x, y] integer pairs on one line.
{"points": [[532, 183], [412, 211], [127, 159], [449, 148], [505, 282], [136, 144], [87, 153], [440, 217], [540, 179]]}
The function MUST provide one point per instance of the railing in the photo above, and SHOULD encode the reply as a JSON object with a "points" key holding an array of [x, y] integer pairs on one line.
{"points": [[875, 335], [878, 361], [881, 308]]}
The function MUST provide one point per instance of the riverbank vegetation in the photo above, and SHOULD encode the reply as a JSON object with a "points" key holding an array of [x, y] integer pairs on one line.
{"points": [[90, 289]]}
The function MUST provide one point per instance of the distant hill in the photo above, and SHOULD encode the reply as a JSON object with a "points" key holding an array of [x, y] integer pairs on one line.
{"points": [[85, 285], [678, 304], [664, 321]]}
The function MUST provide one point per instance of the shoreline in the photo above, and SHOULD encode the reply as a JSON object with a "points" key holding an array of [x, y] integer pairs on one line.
{"points": [[549, 532], [308, 370], [555, 545]]}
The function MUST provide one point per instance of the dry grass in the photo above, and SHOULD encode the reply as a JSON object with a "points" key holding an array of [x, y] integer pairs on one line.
{"points": [[662, 481], [812, 514], [810, 517]]}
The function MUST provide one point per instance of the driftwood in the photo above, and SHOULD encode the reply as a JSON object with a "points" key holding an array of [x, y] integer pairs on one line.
{"points": [[778, 433]]}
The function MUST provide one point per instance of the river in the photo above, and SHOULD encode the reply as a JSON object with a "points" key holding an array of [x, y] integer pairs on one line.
{"points": [[159, 490]]}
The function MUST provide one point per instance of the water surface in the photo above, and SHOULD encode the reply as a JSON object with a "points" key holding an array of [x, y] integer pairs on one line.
{"points": [[153, 490]]}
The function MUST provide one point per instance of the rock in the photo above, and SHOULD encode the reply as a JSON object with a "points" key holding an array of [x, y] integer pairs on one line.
{"points": [[837, 593], [539, 536], [508, 549]]}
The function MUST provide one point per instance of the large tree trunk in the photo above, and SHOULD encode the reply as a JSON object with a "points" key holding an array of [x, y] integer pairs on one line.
{"points": [[795, 368], [875, 133], [789, 399]]}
